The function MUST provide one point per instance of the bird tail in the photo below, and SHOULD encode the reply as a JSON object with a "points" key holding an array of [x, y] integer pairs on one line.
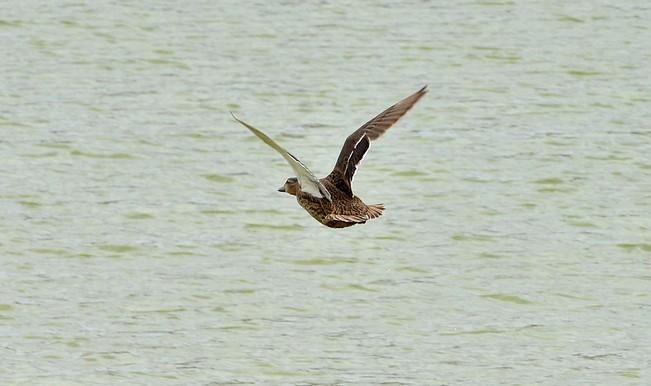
{"points": [[375, 211]]}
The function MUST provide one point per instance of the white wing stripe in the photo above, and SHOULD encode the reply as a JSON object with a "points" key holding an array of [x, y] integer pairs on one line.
{"points": [[308, 181]]}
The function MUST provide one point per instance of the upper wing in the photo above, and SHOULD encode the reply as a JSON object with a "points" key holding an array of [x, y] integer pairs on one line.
{"points": [[356, 156], [357, 144], [308, 181]]}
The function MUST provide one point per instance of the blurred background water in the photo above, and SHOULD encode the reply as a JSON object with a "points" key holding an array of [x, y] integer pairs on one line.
{"points": [[143, 241]]}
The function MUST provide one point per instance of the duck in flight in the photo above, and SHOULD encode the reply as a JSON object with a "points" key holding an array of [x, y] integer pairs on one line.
{"points": [[330, 200]]}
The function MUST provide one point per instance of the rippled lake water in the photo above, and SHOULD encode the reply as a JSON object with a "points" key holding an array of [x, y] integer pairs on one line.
{"points": [[143, 242]]}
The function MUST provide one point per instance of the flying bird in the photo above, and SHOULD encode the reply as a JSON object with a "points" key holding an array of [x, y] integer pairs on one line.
{"points": [[330, 200]]}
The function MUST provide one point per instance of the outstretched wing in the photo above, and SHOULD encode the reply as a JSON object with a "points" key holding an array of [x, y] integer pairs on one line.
{"points": [[308, 181], [357, 144]]}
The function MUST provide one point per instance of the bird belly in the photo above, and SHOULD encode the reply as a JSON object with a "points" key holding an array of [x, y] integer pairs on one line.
{"points": [[318, 208], [326, 212]]}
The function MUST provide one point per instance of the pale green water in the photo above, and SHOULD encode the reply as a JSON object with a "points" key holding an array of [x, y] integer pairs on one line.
{"points": [[142, 240]]}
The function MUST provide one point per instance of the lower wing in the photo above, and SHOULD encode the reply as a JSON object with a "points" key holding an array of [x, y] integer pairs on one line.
{"points": [[308, 181]]}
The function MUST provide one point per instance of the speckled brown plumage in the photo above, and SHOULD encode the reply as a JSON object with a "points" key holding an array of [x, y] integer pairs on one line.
{"points": [[343, 211]]}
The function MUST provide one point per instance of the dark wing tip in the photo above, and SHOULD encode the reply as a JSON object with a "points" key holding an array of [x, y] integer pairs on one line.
{"points": [[383, 121], [376, 127], [418, 94]]}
